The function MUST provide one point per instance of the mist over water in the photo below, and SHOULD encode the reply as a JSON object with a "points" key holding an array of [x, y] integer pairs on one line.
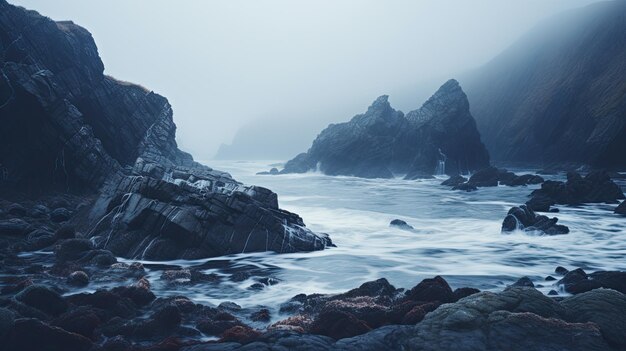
{"points": [[457, 235]]}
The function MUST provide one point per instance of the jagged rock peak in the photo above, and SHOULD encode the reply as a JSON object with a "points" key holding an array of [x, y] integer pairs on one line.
{"points": [[381, 103], [447, 101], [449, 94]]}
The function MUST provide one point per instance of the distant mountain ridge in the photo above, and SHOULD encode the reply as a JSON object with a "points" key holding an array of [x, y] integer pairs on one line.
{"points": [[439, 138], [558, 95]]}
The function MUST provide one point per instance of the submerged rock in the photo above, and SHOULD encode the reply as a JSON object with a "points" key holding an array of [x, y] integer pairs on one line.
{"points": [[438, 138], [273, 171], [489, 177], [398, 223], [524, 218], [454, 180], [466, 187]]}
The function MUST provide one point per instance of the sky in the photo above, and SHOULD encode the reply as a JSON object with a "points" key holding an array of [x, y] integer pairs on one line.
{"points": [[255, 64]]}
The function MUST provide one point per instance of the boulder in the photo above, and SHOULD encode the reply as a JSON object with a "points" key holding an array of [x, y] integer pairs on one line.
{"points": [[398, 223], [273, 171], [485, 177], [578, 281], [604, 307], [82, 320], [78, 278], [524, 218], [524, 281], [60, 215], [40, 238], [43, 298], [32, 334], [431, 290], [454, 180], [73, 249], [14, 227], [338, 325]]}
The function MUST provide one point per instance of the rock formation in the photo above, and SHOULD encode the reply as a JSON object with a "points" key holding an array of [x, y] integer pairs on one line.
{"points": [[69, 128], [438, 138], [524, 218], [491, 176], [595, 187]]}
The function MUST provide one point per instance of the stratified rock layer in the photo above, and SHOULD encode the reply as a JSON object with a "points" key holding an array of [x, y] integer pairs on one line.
{"points": [[69, 128], [438, 138]]}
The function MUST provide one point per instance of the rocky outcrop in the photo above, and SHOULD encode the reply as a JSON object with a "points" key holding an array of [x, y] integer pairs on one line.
{"points": [[556, 96], [194, 215], [524, 218], [491, 176], [595, 187], [578, 281], [438, 138], [69, 128]]}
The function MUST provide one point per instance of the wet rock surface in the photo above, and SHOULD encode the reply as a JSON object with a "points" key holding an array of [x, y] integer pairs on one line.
{"points": [[517, 318], [524, 218], [595, 187], [398, 223], [431, 315], [491, 176], [440, 137]]}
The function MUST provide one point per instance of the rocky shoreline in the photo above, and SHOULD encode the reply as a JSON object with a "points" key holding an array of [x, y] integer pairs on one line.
{"points": [[78, 297], [56, 283], [95, 189]]}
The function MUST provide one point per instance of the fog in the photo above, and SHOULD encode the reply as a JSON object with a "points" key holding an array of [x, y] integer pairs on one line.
{"points": [[284, 69]]}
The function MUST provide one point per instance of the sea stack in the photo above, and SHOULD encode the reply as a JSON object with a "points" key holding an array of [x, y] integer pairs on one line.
{"points": [[438, 138]]}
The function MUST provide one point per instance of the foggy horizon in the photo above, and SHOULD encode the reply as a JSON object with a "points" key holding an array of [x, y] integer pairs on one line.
{"points": [[225, 67]]}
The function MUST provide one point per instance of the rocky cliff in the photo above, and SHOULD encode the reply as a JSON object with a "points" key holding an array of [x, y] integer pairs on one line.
{"points": [[67, 127], [558, 95], [438, 138]]}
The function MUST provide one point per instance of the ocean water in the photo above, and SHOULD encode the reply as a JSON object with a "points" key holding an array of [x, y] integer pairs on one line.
{"points": [[457, 235]]}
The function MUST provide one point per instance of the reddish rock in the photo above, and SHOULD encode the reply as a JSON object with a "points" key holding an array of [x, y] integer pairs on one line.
{"points": [[338, 325]]}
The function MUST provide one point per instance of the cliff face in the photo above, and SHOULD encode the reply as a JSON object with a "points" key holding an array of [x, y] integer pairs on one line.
{"points": [[558, 95], [440, 137], [66, 127], [65, 124]]}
